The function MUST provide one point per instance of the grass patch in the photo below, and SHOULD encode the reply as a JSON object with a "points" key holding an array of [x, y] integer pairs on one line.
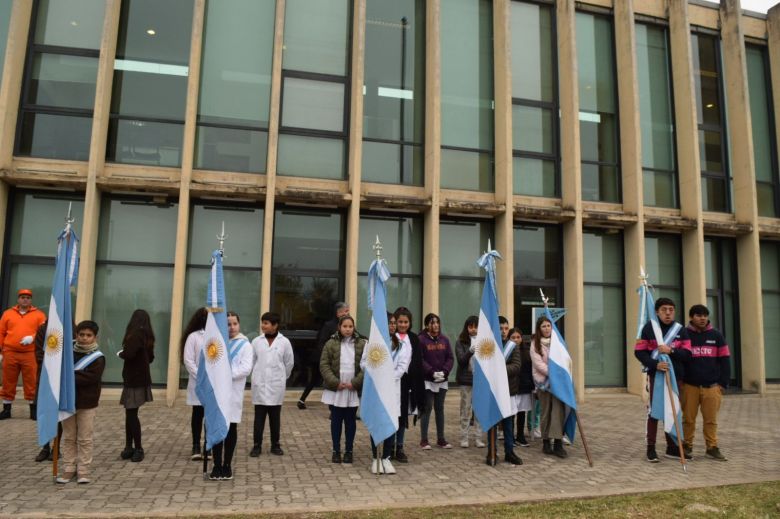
{"points": [[749, 501]]}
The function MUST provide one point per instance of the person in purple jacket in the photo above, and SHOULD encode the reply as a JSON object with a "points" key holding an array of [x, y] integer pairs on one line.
{"points": [[437, 361]]}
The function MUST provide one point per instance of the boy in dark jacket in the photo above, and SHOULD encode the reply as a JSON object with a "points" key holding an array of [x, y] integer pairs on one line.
{"points": [[707, 375], [89, 364]]}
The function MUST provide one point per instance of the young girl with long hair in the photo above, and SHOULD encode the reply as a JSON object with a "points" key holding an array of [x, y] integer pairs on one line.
{"points": [[464, 351], [437, 361], [523, 401], [553, 410], [192, 339]]}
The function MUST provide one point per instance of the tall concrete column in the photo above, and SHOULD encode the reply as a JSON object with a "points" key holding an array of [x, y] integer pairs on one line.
{"points": [[432, 154], [745, 202], [183, 222], [687, 140], [13, 73], [355, 151], [502, 67], [571, 190], [270, 170], [97, 161], [631, 171]]}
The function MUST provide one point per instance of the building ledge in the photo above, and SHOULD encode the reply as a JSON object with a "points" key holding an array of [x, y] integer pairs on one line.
{"points": [[661, 222], [769, 227], [397, 202], [135, 185], [551, 214]]}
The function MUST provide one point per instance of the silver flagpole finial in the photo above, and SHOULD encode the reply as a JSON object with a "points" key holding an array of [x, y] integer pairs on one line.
{"points": [[377, 248], [545, 300], [489, 247], [69, 219], [222, 237], [643, 275]]}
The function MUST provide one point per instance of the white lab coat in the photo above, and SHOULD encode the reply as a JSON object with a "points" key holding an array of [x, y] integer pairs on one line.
{"points": [[241, 367], [191, 358], [272, 366]]}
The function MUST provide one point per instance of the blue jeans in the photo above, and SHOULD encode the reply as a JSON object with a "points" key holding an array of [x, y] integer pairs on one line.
{"points": [[345, 416], [509, 435]]}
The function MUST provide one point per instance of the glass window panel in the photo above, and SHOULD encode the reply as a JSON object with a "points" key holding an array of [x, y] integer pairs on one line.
{"points": [[766, 200], [663, 260], [63, 81], [394, 91], [458, 299], [706, 73], [595, 63], [315, 105], [466, 170], [711, 151], [533, 177], [390, 163], [770, 267], [400, 292], [532, 129], [37, 278], [235, 81], [772, 336], [537, 254], [532, 52], [600, 183], [121, 289], [69, 23], [308, 240], [467, 74], [604, 336], [655, 100], [242, 291], [124, 224], [155, 32], [401, 238], [55, 136], [460, 243], [5, 20], [132, 89], [243, 225], [304, 302], [597, 137], [660, 188], [38, 219], [316, 36], [713, 194], [605, 257], [760, 110], [711, 265], [145, 142], [316, 157], [231, 149]]}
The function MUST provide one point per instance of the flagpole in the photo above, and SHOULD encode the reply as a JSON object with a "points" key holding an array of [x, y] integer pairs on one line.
{"points": [[546, 301], [680, 448], [54, 455]]}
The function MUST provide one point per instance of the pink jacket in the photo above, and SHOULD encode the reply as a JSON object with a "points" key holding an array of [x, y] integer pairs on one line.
{"points": [[539, 362]]}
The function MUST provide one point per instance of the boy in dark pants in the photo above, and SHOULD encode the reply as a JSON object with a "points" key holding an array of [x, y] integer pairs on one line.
{"points": [[678, 348], [707, 375]]}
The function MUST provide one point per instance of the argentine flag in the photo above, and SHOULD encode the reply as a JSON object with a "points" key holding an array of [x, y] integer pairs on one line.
{"points": [[215, 381], [559, 376], [490, 396], [379, 402], [664, 403], [57, 387]]}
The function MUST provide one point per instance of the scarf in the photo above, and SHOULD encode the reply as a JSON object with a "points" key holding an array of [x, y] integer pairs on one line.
{"points": [[545, 341], [84, 348]]}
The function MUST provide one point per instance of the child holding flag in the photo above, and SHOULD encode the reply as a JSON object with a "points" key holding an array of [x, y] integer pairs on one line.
{"points": [[464, 350], [408, 367], [523, 400], [89, 364], [553, 410], [192, 340], [342, 379]]}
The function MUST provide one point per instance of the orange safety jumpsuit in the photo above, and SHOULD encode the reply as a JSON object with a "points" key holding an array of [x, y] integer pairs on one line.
{"points": [[18, 357]]}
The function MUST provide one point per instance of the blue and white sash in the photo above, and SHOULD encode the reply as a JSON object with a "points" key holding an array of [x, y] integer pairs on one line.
{"points": [[510, 347], [86, 360], [235, 347], [671, 333]]}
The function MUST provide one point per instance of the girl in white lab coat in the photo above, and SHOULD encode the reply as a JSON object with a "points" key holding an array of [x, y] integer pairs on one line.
{"points": [[273, 363], [240, 355], [192, 340]]}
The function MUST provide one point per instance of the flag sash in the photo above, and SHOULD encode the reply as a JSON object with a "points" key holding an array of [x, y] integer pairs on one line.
{"points": [[86, 360]]}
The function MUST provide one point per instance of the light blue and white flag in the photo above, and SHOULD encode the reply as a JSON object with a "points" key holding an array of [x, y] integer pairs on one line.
{"points": [[490, 396], [214, 382], [560, 377], [379, 405], [57, 387], [664, 402]]}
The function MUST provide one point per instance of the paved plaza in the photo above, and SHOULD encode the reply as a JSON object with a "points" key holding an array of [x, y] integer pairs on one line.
{"points": [[168, 483]]}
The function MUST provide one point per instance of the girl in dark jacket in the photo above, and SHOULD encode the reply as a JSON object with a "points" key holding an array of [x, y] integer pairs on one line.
{"points": [[412, 382], [137, 352], [437, 360], [523, 401], [465, 379]]}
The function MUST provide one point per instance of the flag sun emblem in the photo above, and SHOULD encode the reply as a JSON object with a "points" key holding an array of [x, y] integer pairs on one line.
{"points": [[214, 350], [486, 348], [54, 342], [377, 355]]}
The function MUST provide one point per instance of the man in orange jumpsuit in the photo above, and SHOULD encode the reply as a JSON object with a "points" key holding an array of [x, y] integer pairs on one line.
{"points": [[18, 326]]}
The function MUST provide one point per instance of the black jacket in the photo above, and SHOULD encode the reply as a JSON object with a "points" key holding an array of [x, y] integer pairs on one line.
{"points": [[710, 361], [464, 376], [88, 381], [526, 377], [413, 383], [137, 356]]}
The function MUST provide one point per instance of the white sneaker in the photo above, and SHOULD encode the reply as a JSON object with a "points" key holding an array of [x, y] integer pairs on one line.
{"points": [[83, 480], [66, 477], [479, 443], [464, 444], [387, 466], [566, 441], [375, 466], [537, 433]]}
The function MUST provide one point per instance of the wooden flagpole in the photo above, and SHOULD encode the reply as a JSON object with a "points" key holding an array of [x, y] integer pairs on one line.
{"points": [[676, 422], [54, 456]]}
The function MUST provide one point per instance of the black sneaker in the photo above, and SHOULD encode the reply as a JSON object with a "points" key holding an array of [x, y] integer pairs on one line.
{"points": [[558, 449], [714, 453], [347, 457], [673, 452], [513, 458], [196, 454], [255, 452], [336, 457], [652, 456], [216, 473], [547, 447], [301, 404], [688, 451], [521, 441], [400, 456], [126, 453], [44, 454], [277, 450], [227, 473], [138, 455]]}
